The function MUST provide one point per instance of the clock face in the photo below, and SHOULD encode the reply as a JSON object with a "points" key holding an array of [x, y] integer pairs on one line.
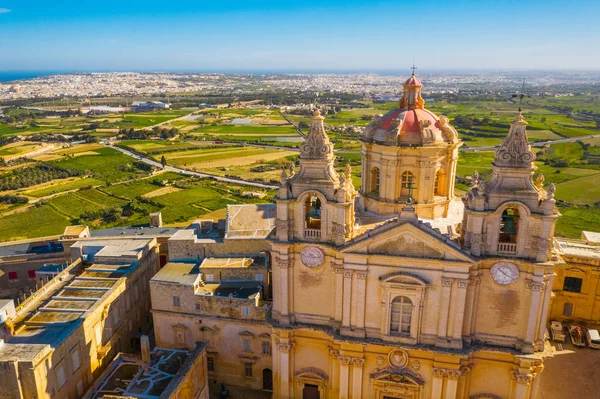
{"points": [[504, 273], [312, 257]]}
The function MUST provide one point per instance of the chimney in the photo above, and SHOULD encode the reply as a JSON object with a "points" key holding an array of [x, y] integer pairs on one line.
{"points": [[145, 344], [156, 219]]}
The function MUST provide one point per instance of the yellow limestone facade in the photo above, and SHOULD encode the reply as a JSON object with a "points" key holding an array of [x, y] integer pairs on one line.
{"points": [[369, 300]]}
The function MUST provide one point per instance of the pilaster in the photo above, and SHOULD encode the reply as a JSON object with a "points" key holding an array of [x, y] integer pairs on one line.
{"points": [[444, 312], [536, 293], [347, 297]]}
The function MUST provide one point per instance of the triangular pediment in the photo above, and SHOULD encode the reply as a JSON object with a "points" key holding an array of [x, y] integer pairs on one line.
{"points": [[411, 240]]}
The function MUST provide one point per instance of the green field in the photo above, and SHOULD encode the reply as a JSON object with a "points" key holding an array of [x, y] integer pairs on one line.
{"points": [[37, 222], [59, 187], [248, 130]]}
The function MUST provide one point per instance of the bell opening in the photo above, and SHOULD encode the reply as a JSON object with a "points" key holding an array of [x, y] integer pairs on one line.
{"points": [[313, 213], [509, 226]]}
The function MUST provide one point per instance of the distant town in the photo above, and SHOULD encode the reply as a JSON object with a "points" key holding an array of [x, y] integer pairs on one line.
{"points": [[85, 85]]}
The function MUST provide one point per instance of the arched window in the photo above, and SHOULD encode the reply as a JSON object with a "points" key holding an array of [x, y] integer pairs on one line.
{"points": [[400, 315], [437, 184], [313, 212], [375, 176], [509, 226], [406, 180]]}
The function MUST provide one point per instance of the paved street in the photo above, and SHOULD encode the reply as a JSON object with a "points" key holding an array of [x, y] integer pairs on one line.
{"points": [[152, 162], [573, 373]]}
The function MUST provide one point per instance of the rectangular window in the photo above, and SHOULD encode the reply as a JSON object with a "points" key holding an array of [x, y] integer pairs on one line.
{"points": [[245, 310], [12, 276], [80, 388], [31, 274], [567, 309], [572, 284], [210, 364], [75, 360], [210, 277], [136, 293], [127, 302], [198, 307], [259, 277], [247, 345], [176, 301], [248, 370], [61, 377], [266, 348]]}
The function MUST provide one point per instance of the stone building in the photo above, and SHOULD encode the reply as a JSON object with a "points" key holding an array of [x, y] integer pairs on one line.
{"points": [[62, 337], [369, 298], [161, 374]]}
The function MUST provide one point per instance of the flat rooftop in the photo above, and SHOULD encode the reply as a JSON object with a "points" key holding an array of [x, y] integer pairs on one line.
{"points": [[250, 220], [234, 262], [130, 248], [30, 248], [183, 273], [578, 248], [129, 377], [50, 318], [231, 289], [136, 231]]}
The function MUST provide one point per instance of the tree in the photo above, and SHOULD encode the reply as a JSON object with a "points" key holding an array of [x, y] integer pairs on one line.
{"points": [[163, 161], [543, 119]]}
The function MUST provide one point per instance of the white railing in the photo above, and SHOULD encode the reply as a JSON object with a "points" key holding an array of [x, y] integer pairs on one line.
{"points": [[312, 233], [507, 247]]}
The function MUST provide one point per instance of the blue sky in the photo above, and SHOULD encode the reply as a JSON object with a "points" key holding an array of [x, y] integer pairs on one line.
{"points": [[283, 35]]}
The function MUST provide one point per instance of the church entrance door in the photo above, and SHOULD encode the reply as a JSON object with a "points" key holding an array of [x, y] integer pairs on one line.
{"points": [[310, 392]]}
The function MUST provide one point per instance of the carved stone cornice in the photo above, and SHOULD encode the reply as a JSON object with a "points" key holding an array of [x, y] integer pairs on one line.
{"points": [[284, 225], [362, 274], [539, 243], [348, 273], [338, 269], [358, 362], [534, 285], [474, 280], [344, 360], [462, 283], [285, 347], [334, 352], [522, 378], [453, 374], [439, 372], [447, 281], [284, 263]]}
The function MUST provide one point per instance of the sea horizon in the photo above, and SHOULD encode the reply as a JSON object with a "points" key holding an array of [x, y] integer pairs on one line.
{"points": [[18, 75]]}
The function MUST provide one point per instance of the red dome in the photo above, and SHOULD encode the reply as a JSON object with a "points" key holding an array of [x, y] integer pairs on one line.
{"points": [[413, 81]]}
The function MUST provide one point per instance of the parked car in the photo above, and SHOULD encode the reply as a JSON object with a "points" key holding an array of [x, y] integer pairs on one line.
{"points": [[576, 334], [593, 339], [556, 331]]}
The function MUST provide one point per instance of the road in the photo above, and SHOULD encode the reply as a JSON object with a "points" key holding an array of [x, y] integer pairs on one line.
{"points": [[533, 144], [152, 162]]}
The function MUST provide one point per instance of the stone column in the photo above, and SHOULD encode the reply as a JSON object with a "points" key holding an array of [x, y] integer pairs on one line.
{"points": [[476, 281], [360, 306], [284, 367], [347, 297], [444, 309], [452, 383], [339, 292], [344, 376], [536, 293], [545, 308], [459, 314], [357, 374], [522, 382], [437, 383]]}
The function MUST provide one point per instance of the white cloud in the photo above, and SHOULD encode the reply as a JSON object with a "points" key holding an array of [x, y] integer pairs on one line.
{"points": [[4, 10]]}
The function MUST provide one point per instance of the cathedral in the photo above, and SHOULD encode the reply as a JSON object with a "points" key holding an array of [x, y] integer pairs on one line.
{"points": [[397, 290]]}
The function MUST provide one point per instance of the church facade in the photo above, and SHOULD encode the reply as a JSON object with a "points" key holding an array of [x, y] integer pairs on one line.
{"points": [[367, 299]]}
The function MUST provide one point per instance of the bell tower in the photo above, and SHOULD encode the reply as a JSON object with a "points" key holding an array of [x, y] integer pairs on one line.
{"points": [[509, 215], [316, 204]]}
